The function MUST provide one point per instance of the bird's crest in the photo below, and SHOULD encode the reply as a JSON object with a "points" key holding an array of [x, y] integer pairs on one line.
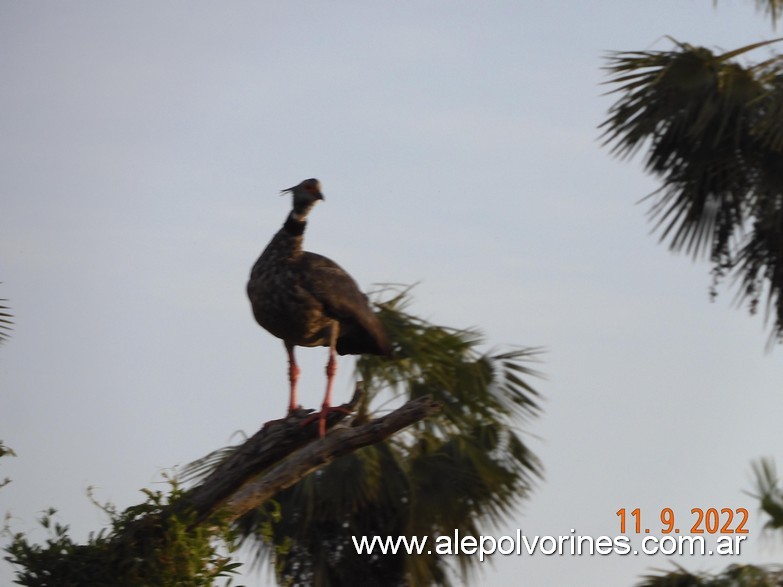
{"points": [[311, 185], [305, 194]]}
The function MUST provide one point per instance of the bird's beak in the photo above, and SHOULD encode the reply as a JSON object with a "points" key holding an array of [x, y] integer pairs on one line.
{"points": [[320, 196]]}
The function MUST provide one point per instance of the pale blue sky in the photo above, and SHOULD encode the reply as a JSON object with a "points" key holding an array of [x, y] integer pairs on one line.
{"points": [[142, 146]]}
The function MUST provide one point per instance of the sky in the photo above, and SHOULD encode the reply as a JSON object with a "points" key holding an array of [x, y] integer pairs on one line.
{"points": [[142, 148]]}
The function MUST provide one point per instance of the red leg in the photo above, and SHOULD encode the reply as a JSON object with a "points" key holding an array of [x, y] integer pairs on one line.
{"points": [[293, 377], [331, 369]]}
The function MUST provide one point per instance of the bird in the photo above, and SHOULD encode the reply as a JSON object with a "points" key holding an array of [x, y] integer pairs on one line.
{"points": [[308, 300]]}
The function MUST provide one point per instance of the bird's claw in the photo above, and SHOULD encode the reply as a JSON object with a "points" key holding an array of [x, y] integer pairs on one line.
{"points": [[322, 415], [294, 410]]}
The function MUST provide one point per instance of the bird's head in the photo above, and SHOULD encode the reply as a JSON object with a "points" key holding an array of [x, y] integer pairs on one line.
{"points": [[306, 194]]}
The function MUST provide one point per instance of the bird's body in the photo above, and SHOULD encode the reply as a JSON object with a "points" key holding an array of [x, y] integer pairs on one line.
{"points": [[297, 296], [306, 299]]}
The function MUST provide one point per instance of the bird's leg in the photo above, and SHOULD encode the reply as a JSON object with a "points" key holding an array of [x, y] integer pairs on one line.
{"points": [[331, 369], [293, 377]]}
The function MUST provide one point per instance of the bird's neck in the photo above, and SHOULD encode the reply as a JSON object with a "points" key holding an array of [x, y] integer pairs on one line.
{"points": [[295, 224], [287, 243]]}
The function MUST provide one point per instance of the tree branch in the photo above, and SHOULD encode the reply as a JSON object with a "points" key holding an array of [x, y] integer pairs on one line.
{"points": [[317, 454], [276, 453]]}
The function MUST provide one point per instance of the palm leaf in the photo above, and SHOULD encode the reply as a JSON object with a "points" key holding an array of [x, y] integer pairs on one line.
{"points": [[464, 469], [769, 493], [733, 576], [713, 133], [5, 321], [772, 8]]}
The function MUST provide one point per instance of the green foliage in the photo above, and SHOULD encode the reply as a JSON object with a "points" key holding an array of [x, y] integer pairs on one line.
{"points": [[146, 546], [769, 493], [5, 452], [5, 321], [771, 8], [733, 576], [713, 130], [464, 469]]}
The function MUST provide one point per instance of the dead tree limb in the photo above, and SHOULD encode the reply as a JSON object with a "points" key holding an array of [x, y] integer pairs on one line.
{"points": [[337, 443], [283, 452], [272, 443]]}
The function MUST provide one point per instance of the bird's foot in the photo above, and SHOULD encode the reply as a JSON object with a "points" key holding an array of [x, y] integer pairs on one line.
{"points": [[297, 412], [321, 417], [292, 409]]}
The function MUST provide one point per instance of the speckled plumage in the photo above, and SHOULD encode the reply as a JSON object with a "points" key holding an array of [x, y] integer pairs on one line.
{"points": [[308, 300]]}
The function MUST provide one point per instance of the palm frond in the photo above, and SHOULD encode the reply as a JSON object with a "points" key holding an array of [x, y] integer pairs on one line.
{"points": [[445, 363], [676, 578], [5, 452], [733, 576], [769, 493], [464, 469], [199, 469], [771, 8], [5, 321], [712, 131]]}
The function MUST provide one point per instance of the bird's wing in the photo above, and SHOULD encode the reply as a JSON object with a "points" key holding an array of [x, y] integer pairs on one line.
{"points": [[331, 285], [341, 297]]}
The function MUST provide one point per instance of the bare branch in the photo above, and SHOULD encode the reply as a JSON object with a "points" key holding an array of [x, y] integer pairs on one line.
{"points": [[274, 457], [337, 443], [276, 440]]}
